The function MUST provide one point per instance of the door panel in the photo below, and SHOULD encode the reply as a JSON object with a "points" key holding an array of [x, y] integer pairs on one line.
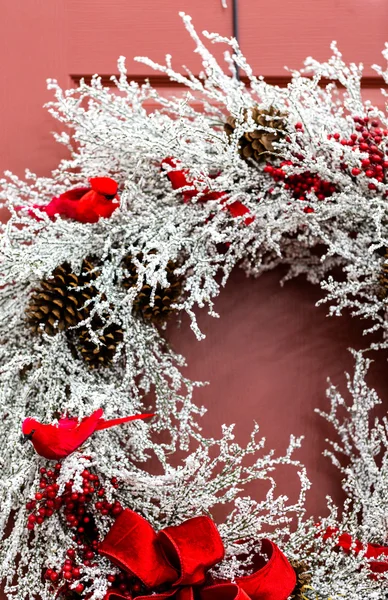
{"points": [[102, 31], [274, 34]]}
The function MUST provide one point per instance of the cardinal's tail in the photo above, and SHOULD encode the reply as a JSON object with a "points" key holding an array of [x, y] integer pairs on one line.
{"points": [[103, 424]]}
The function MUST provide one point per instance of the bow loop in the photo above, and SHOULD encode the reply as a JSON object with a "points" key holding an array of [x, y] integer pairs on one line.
{"points": [[181, 556], [132, 545], [192, 548]]}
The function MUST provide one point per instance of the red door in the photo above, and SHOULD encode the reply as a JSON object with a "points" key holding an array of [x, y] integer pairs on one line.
{"points": [[268, 357]]}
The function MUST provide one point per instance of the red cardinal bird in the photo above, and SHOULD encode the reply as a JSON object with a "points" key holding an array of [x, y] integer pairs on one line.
{"points": [[58, 441], [86, 204]]}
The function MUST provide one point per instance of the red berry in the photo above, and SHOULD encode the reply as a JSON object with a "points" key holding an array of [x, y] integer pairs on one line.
{"points": [[67, 575], [71, 553], [80, 588], [369, 173], [356, 171], [300, 127], [111, 578]]}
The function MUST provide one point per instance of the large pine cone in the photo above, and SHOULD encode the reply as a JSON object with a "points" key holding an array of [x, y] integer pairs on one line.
{"points": [[303, 579], [258, 144], [103, 354], [56, 305], [164, 297]]}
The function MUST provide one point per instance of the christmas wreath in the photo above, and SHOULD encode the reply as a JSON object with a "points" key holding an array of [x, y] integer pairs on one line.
{"points": [[146, 219]]}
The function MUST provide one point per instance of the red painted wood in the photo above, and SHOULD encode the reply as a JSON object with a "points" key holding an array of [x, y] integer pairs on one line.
{"points": [[102, 31], [274, 34], [32, 48], [267, 359], [268, 356]]}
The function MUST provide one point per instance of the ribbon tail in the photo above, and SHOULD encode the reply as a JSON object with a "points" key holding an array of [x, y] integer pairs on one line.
{"points": [[131, 544], [275, 580]]}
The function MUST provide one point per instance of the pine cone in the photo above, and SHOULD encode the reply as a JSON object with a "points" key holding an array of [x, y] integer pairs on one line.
{"points": [[100, 355], [303, 579], [257, 144], [164, 297], [53, 306], [383, 279]]}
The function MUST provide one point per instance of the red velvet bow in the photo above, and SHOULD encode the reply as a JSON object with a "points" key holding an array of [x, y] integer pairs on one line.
{"points": [[177, 560], [371, 551], [181, 178]]}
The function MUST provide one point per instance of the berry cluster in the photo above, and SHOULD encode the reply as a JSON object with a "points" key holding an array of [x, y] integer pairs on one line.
{"points": [[300, 184], [70, 573], [46, 500], [368, 139], [79, 518], [127, 585]]}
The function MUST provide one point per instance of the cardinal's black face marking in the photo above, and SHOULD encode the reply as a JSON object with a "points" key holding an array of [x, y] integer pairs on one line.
{"points": [[110, 196], [27, 436]]}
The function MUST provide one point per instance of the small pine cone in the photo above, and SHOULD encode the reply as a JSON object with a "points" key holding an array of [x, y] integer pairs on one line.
{"points": [[303, 580], [164, 297], [56, 305], [257, 144], [103, 354], [383, 279]]}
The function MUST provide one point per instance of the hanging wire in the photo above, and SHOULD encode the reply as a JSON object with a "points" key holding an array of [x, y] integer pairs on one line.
{"points": [[234, 26]]}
